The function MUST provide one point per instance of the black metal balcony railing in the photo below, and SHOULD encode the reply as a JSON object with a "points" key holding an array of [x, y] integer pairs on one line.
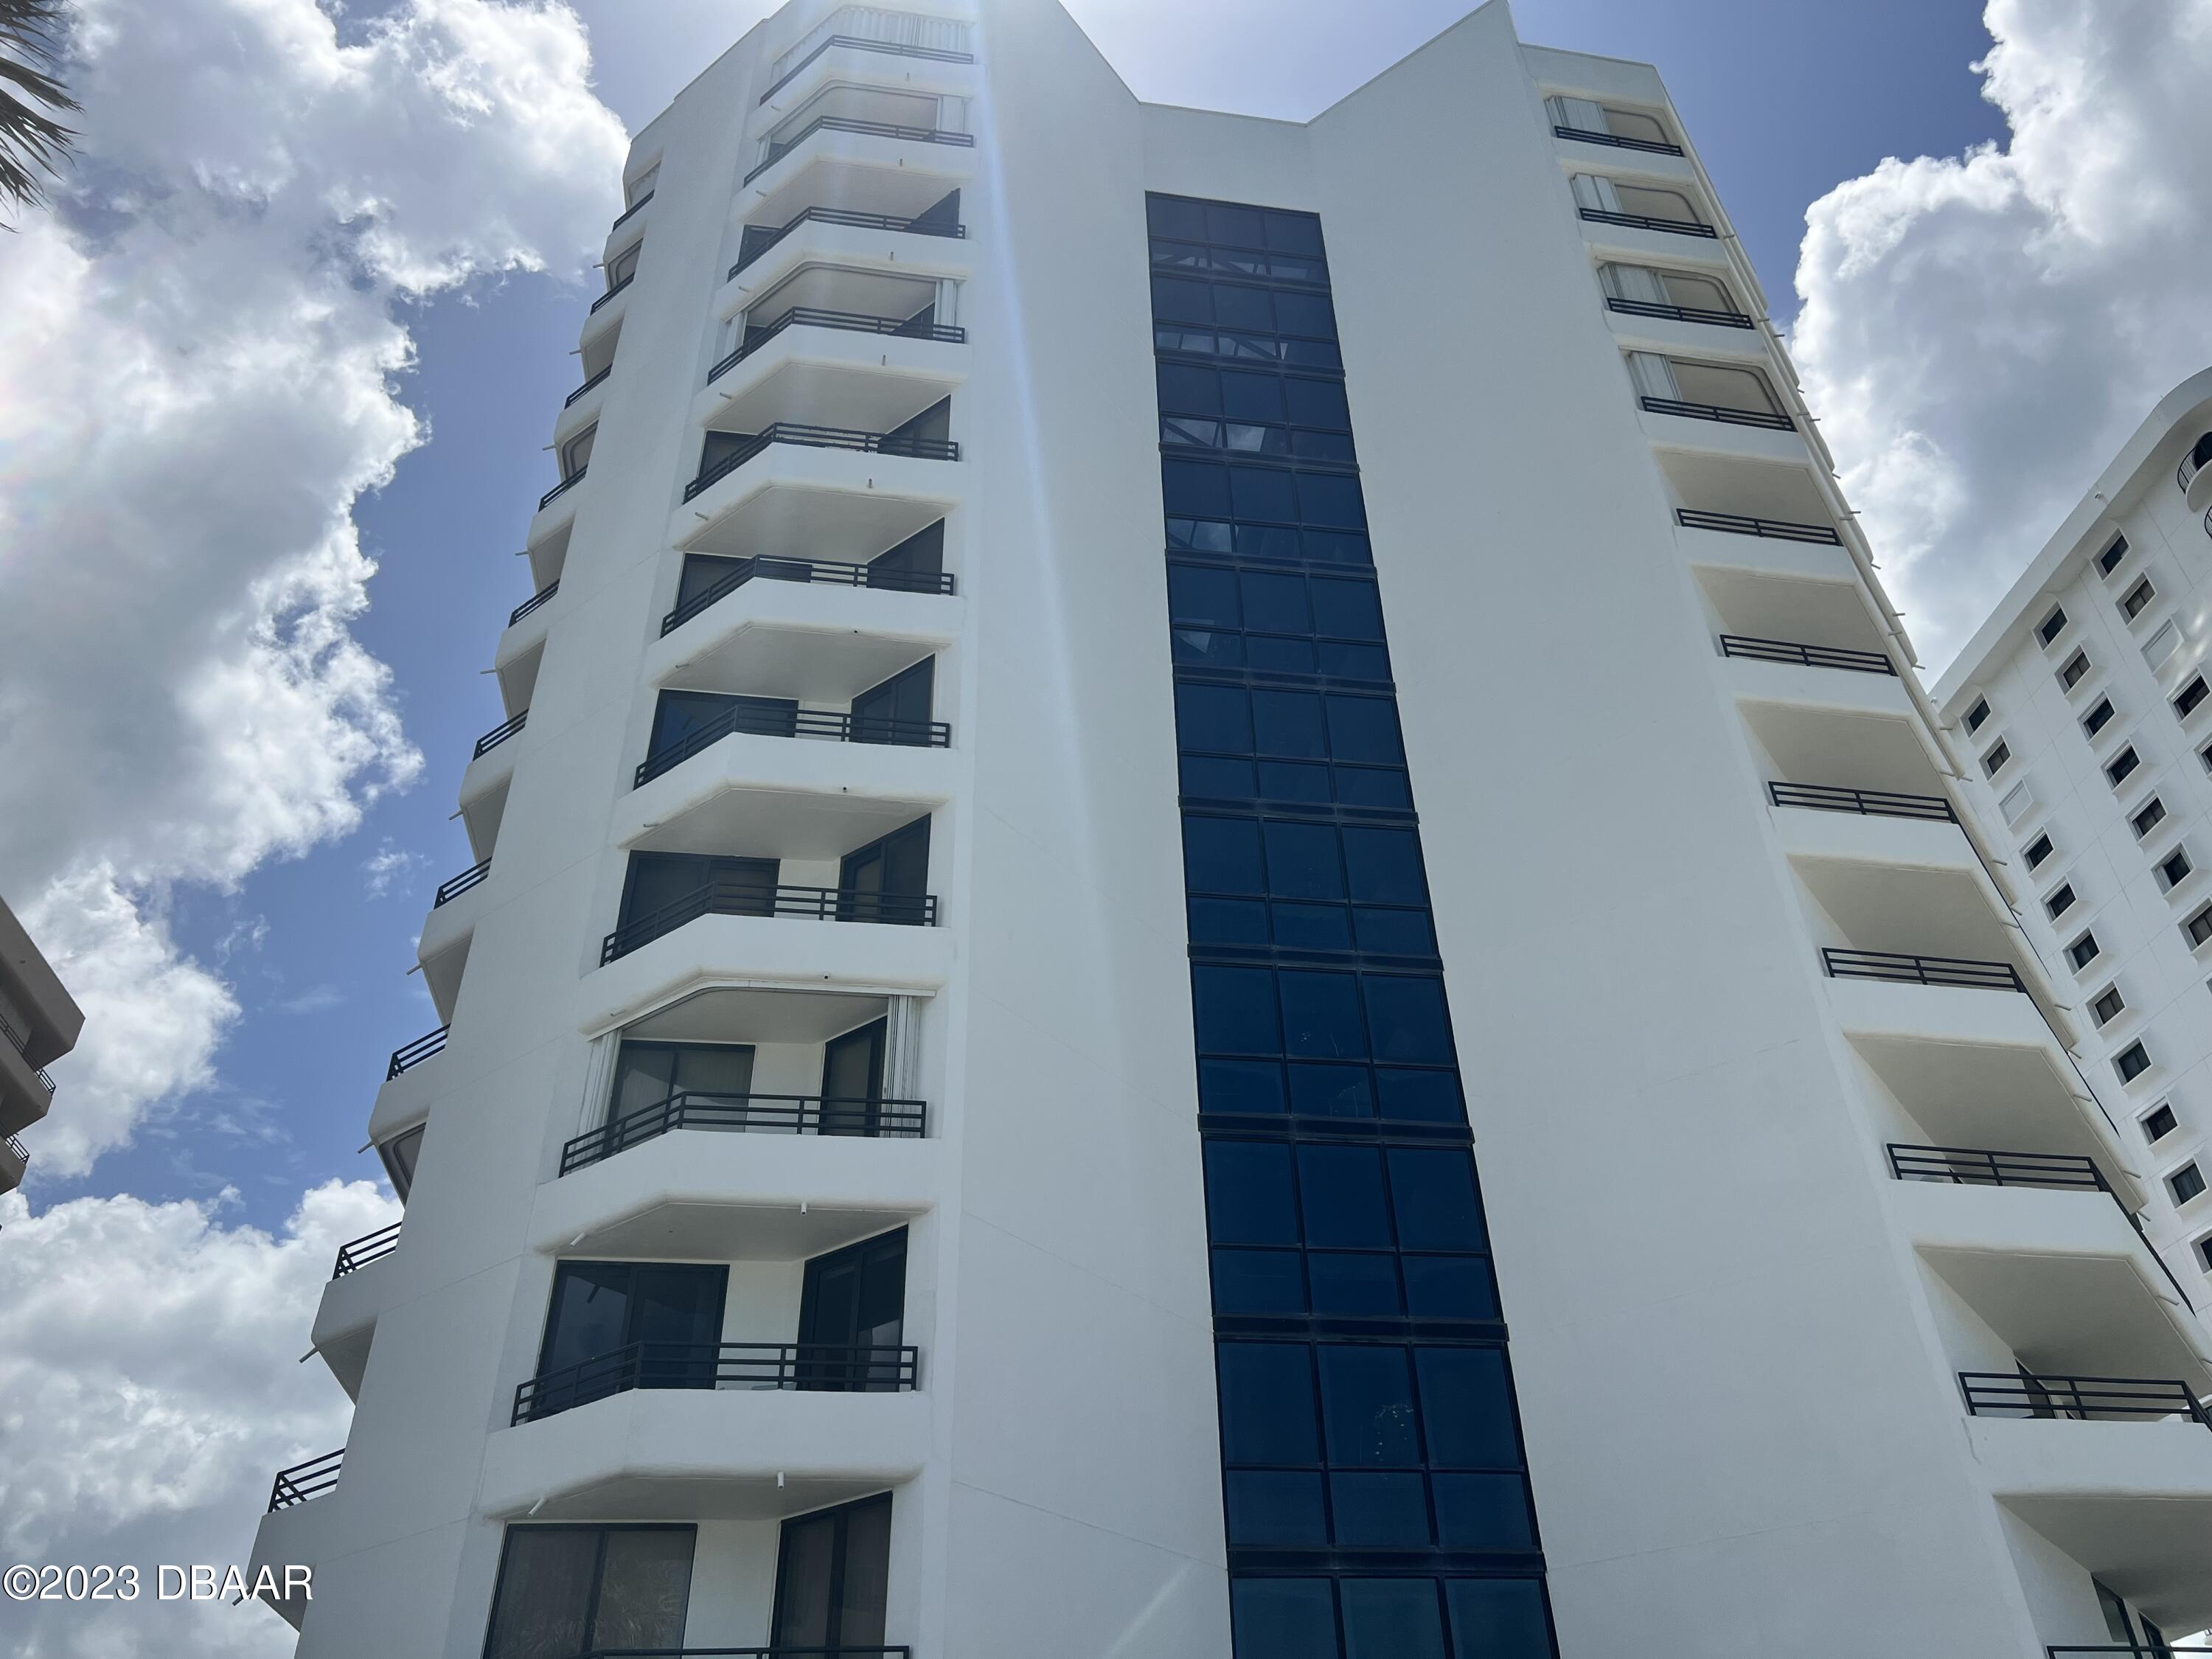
{"points": [[1678, 313], [826, 724], [407, 1059], [1870, 803], [821, 437], [2085, 1399], [2208, 520], [776, 152], [305, 1480], [2139, 1650], [1963, 1166], [789, 1114], [1720, 412], [852, 322], [1745, 524], [449, 892], [1897, 968], [1654, 146], [898, 48], [1640, 222], [2193, 463], [1809, 656], [630, 212], [616, 289], [746, 898], [806, 570], [554, 494], [498, 735], [369, 1247], [759, 238], [533, 602], [569, 402], [816, 1367], [21, 1045]]}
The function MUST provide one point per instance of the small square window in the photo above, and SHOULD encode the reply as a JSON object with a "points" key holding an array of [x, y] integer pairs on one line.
{"points": [[1994, 761], [2149, 816], [2191, 694], [2109, 560], [2138, 599], [1977, 714], [2198, 927], [2076, 666], [2206, 756], [2082, 951], [2060, 901], [2176, 869], [2051, 626], [2109, 1005], [2122, 764], [2204, 1251], [2186, 1183], [2131, 1062], [2098, 718], [2159, 1123], [2037, 850]]}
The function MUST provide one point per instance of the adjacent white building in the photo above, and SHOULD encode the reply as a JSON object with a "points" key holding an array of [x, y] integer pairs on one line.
{"points": [[39, 1023], [1119, 696], [2084, 704]]}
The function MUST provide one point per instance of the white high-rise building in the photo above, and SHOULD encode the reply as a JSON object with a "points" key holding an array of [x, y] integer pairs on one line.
{"points": [[2084, 704], [970, 1038]]}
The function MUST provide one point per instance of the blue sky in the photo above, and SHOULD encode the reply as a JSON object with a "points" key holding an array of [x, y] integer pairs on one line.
{"points": [[317, 958]]}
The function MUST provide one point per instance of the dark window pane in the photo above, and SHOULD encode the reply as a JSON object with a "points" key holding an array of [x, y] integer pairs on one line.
{"points": [[1467, 1411], [1353, 662], [1198, 595], [1332, 1092], [1327, 499], [1387, 1509], [1274, 605], [1278, 656], [1176, 299], [1499, 1619], [1239, 227], [1433, 1193], [1262, 542], [1228, 921], [1222, 856], [1397, 933], [1312, 926], [1318, 402], [1337, 547], [1367, 786], [1367, 1401], [1320, 1017], [1216, 779], [1170, 216], [1341, 1196], [1346, 610], [1211, 646], [1196, 490], [1365, 729], [1234, 1011], [1283, 1618], [544, 1592], [1449, 1287], [1247, 397], [1258, 1282], [1392, 1619], [1266, 1404], [1384, 866], [1483, 1512], [1200, 535], [1418, 1096], [1353, 1285], [1275, 1507], [1242, 307], [1239, 1086], [1294, 232], [1292, 780], [1409, 1019], [1264, 494], [1305, 314], [1287, 723], [1186, 389], [645, 1588], [1213, 717], [1302, 861], [1248, 1192]]}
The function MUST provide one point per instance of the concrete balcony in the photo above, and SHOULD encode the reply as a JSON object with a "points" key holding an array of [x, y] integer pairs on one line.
{"points": [[1637, 165], [345, 1320], [786, 952], [885, 242], [14, 1164], [403, 1100], [485, 781], [692, 1194], [838, 63], [821, 643], [873, 379], [703, 524], [555, 517], [1758, 444], [1872, 839], [1756, 680], [705, 1454], [305, 1532], [889, 147], [2129, 1502], [26, 1091]]}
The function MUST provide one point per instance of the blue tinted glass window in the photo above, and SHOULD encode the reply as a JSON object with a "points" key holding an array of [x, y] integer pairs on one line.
{"points": [[1294, 232], [1276, 1506], [1432, 1192], [1449, 1288], [1467, 1408], [1408, 1020], [1188, 390], [1175, 215], [1483, 1512], [1197, 489], [1320, 1016], [1498, 1618], [1418, 1096], [1392, 1619], [1267, 1404], [1213, 717], [1363, 729], [1284, 1619], [1176, 300], [1251, 397], [1274, 605], [1263, 493], [1239, 1086], [1289, 723], [1367, 1402], [1243, 307], [1346, 610], [1237, 227], [1384, 866], [1328, 498], [1248, 1192], [1375, 1510], [1332, 1090], [1222, 856], [1340, 1193], [1305, 314], [1259, 1281], [1354, 1285], [1302, 862], [1196, 594], [1316, 403], [1235, 1011]]}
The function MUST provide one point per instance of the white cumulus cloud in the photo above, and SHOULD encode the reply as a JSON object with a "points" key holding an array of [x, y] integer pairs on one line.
{"points": [[198, 365], [149, 1388], [1979, 333]]}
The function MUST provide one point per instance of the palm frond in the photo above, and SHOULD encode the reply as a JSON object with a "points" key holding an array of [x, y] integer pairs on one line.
{"points": [[34, 144]]}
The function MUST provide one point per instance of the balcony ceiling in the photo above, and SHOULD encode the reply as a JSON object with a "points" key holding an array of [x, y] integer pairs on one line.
{"points": [[747, 1014], [1964, 1094], [849, 526], [2078, 1316], [1789, 608], [1887, 907], [816, 666], [1853, 751], [860, 396]]}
